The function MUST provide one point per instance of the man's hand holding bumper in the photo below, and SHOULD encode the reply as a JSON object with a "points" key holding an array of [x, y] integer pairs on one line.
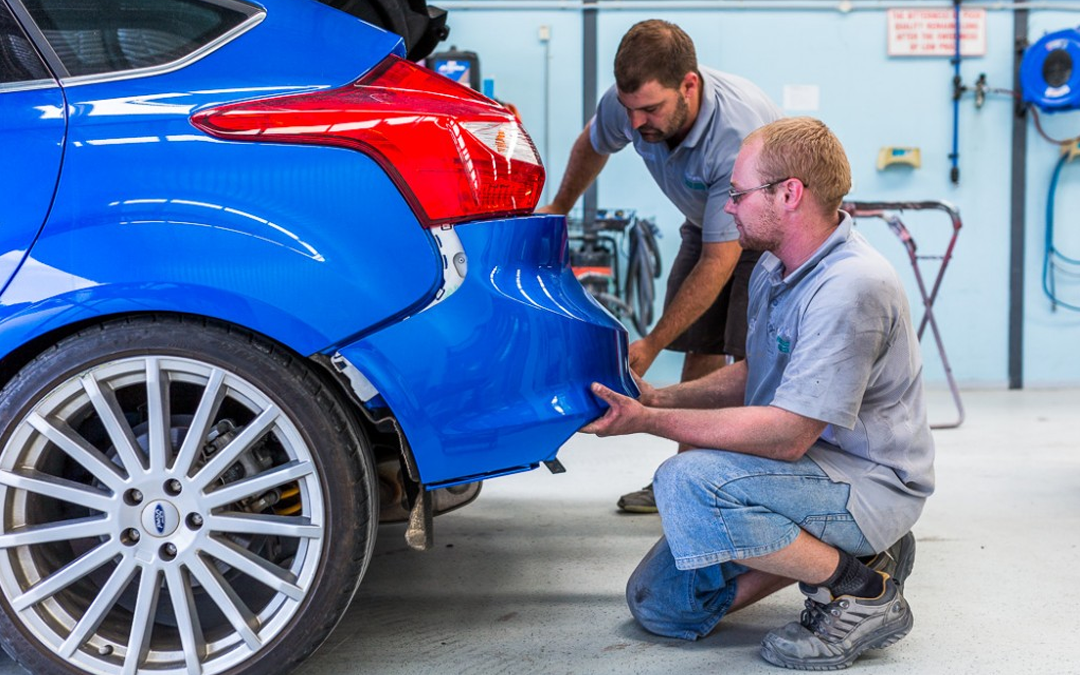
{"points": [[624, 415], [642, 353]]}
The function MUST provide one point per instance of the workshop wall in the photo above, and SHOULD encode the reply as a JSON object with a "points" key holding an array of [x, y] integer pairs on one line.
{"points": [[871, 101]]}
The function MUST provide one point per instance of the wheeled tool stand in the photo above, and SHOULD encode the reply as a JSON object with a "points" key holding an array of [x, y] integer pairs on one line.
{"points": [[886, 212], [595, 250]]}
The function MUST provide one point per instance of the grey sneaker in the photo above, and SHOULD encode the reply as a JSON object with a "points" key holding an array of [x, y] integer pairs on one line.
{"points": [[642, 501], [833, 632], [897, 561]]}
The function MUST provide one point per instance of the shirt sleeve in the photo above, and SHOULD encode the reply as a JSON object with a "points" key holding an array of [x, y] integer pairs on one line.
{"points": [[718, 226], [844, 330], [609, 130]]}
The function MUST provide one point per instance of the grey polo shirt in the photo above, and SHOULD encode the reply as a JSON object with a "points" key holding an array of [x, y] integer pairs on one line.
{"points": [[834, 342], [696, 175]]}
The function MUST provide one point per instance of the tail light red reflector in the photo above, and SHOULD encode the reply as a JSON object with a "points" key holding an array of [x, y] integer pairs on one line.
{"points": [[454, 154]]}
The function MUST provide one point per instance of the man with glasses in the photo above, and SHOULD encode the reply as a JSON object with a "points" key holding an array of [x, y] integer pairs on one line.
{"points": [[818, 447], [686, 122]]}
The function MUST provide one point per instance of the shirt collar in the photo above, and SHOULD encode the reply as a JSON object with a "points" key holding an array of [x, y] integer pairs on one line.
{"points": [[706, 110], [840, 235]]}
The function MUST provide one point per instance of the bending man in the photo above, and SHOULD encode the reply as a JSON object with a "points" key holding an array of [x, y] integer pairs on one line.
{"points": [[686, 123]]}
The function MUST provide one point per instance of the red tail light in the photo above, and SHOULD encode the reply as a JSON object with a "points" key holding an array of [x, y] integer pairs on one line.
{"points": [[453, 153]]}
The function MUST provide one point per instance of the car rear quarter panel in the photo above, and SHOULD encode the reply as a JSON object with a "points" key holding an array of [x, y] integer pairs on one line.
{"points": [[309, 245]]}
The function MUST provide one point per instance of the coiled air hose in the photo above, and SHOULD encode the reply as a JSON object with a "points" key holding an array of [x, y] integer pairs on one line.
{"points": [[642, 269], [1053, 259]]}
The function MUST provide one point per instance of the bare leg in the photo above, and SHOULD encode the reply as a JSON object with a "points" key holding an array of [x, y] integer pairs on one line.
{"points": [[754, 585], [699, 365], [806, 559]]}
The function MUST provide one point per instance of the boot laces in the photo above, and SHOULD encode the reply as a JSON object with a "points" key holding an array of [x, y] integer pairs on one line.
{"points": [[820, 618]]}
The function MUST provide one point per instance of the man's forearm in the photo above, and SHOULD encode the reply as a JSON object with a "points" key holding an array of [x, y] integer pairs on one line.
{"points": [[696, 294], [764, 431], [584, 166], [723, 388]]}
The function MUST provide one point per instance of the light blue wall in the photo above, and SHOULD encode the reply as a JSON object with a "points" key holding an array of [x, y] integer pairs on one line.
{"points": [[870, 100]]}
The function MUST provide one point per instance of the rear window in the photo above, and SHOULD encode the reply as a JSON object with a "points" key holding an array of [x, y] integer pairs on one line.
{"points": [[18, 60], [93, 38]]}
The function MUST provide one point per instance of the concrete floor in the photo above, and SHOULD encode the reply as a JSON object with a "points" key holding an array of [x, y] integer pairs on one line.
{"points": [[529, 578]]}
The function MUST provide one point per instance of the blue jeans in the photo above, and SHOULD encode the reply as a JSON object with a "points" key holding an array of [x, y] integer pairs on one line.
{"points": [[718, 507]]}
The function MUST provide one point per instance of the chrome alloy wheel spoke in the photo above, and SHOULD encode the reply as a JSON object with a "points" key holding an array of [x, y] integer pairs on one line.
{"points": [[128, 541], [65, 576], [112, 418], [142, 619]]}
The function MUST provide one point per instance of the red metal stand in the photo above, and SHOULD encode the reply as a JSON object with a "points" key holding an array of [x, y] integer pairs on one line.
{"points": [[886, 212]]}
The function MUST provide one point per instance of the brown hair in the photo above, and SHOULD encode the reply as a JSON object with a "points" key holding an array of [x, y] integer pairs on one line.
{"points": [[654, 50], [804, 148]]}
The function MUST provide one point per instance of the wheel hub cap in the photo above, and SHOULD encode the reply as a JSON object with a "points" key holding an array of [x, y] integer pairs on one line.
{"points": [[160, 518]]}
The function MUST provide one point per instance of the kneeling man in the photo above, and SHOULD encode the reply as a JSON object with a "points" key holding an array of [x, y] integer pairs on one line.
{"points": [[815, 454]]}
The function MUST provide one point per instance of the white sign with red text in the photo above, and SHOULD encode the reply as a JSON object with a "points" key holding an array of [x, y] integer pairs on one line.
{"points": [[932, 32]]}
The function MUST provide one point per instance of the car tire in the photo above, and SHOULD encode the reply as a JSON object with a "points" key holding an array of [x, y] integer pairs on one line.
{"points": [[125, 549]]}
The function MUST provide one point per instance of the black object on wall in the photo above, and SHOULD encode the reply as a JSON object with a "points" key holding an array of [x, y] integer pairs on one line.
{"points": [[589, 31]]}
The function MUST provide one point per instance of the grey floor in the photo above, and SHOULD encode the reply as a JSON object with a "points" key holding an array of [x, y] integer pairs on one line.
{"points": [[529, 578]]}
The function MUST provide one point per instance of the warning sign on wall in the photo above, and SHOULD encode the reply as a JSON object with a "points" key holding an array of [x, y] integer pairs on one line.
{"points": [[932, 32]]}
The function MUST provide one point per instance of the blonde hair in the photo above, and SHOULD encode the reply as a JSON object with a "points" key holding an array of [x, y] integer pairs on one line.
{"points": [[804, 148]]}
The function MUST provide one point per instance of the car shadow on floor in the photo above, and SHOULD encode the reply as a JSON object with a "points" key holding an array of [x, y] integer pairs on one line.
{"points": [[505, 585]]}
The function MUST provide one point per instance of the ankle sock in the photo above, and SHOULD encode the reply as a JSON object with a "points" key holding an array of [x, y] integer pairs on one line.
{"points": [[854, 578]]}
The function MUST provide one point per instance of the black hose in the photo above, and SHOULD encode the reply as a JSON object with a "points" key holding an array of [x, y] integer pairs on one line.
{"points": [[642, 269]]}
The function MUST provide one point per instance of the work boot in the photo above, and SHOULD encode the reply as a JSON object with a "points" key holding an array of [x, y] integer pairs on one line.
{"points": [[833, 632], [642, 501], [897, 561]]}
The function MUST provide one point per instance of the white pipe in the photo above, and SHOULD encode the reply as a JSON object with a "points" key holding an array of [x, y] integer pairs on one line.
{"points": [[575, 5], [842, 6]]}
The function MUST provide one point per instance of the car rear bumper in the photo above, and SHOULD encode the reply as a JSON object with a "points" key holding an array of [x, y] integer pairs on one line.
{"points": [[495, 378]]}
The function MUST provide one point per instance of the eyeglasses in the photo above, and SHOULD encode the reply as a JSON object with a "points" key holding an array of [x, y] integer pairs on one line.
{"points": [[736, 195]]}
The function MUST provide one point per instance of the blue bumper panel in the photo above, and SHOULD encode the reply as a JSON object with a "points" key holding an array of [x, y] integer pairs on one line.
{"points": [[496, 377]]}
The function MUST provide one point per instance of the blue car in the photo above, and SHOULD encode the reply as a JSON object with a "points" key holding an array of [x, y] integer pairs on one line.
{"points": [[263, 283]]}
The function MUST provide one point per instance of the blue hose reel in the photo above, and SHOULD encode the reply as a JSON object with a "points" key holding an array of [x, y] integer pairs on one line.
{"points": [[1050, 71]]}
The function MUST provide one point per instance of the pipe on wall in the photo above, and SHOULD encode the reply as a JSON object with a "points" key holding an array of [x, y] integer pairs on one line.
{"points": [[1018, 223], [842, 6]]}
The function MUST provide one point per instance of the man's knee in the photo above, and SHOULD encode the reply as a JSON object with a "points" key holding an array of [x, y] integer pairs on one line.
{"points": [[652, 592], [643, 588], [684, 604], [678, 471], [640, 598], [696, 477]]}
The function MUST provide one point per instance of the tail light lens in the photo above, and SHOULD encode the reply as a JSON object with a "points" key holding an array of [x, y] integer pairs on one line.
{"points": [[454, 154]]}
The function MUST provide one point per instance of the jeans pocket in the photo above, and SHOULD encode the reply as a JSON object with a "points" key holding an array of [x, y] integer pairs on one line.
{"points": [[839, 530]]}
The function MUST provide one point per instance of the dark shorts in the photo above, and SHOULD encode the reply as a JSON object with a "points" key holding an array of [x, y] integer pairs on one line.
{"points": [[722, 328]]}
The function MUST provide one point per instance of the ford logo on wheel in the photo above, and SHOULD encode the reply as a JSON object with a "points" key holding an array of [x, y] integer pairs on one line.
{"points": [[159, 519]]}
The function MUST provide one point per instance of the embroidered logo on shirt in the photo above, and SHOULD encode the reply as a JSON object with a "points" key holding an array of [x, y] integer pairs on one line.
{"points": [[783, 344], [694, 183]]}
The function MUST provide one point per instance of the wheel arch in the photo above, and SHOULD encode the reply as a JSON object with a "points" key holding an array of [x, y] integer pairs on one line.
{"points": [[15, 360], [26, 333], [382, 429]]}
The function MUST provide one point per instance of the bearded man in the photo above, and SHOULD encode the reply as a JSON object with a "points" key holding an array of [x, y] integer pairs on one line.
{"points": [[687, 123]]}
